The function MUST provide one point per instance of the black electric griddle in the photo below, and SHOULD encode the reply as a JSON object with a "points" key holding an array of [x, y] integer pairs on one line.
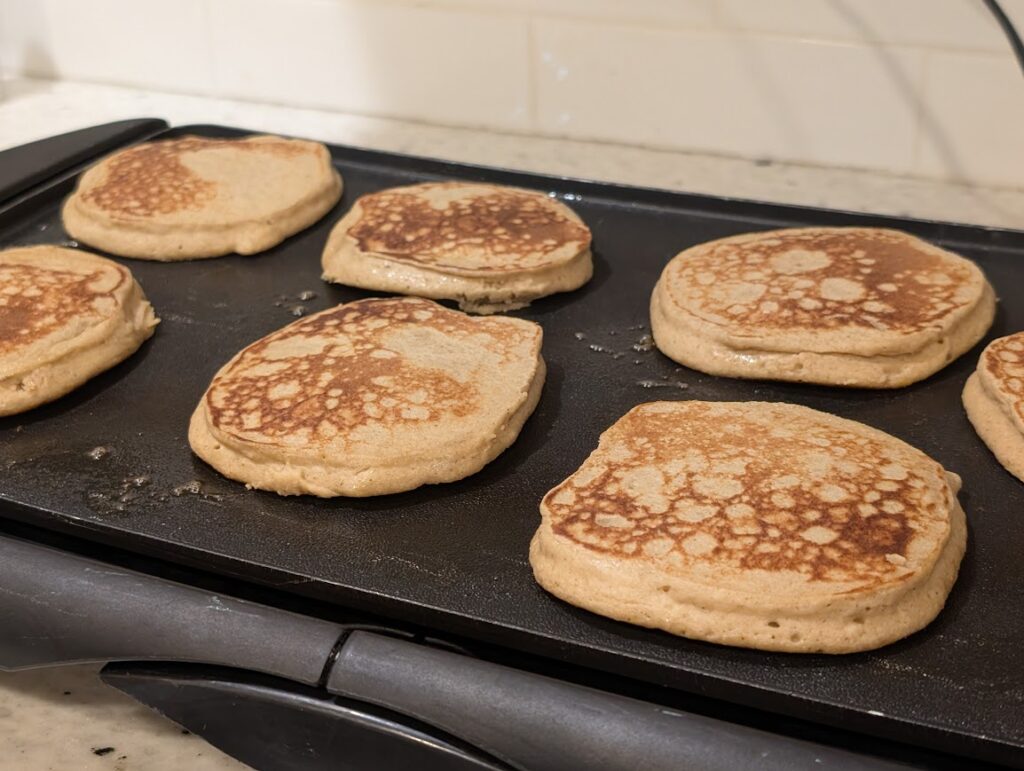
{"points": [[110, 464]]}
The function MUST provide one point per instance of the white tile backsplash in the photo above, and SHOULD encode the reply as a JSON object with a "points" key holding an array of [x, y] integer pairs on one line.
{"points": [[939, 23], [430, 64], [972, 119], [700, 14], [925, 87], [136, 42], [829, 103]]}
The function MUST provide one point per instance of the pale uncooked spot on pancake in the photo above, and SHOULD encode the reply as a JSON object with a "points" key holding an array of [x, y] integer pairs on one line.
{"points": [[994, 399], [762, 525], [65, 316], [843, 306], [373, 397], [489, 247], [196, 197], [798, 260]]}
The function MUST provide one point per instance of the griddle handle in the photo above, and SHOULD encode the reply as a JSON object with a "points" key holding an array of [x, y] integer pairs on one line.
{"points": [[60, 608], [538, 723]]}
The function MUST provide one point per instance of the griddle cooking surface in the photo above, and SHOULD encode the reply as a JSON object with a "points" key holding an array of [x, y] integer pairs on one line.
{"points": [[111, 462]]}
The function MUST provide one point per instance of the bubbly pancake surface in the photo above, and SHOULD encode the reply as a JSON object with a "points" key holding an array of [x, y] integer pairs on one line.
{"points": [[838, 279], [773, 304], [994, 399], [200, 197], [488, 246], [40, 303], [65, 315], [765, 525], [1002, 364], [152, 179], [371, 397], [465, 228]]}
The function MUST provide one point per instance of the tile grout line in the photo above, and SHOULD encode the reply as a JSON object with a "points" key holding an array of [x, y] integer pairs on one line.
{"points": [[917, 146], [532, 110], [713, 28]]}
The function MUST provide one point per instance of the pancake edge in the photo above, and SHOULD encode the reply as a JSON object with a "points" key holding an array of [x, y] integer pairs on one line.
{"points": [[995, 428], [78, 360], [686, 345], [640, 595], [867, 342], [142, 240], [481, 292], [992, 386], [229, 458]]}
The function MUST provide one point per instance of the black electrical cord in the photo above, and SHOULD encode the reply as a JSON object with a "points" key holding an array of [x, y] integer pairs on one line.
{"points": [[1008, 29]]}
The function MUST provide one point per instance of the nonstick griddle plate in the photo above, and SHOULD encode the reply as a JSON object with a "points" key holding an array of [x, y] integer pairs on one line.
{"points": [[111, 463]]}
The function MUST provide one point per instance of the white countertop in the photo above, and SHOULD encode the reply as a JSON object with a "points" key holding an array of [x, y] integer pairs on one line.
{"points": [[35, 109], [64, 718]]}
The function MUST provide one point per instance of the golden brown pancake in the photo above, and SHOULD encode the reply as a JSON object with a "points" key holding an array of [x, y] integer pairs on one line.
{"points": [[761, 525], [863, 307], [373, 397], [994, 400], [65, 316], [194, 197], [489, 247]]}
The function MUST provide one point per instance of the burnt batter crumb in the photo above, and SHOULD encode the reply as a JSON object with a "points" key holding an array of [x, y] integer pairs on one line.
{"points": [[102, 750]]}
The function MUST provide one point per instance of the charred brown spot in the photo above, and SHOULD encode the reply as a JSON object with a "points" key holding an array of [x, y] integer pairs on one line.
{"points": [[776, 493], [1004, 362], [869, 279], [36, 301], [325, 376], [500, 231], [151, 178]]}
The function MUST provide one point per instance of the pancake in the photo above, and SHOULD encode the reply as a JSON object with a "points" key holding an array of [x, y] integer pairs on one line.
{"points": [[373, 397], [194, 197], [994, 400], [861, 307], [65, 316], [759, 525], [491, 248]]}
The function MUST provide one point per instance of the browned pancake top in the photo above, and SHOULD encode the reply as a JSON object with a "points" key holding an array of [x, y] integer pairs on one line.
{"points": [[752, 485], [151, 178], [1003, 361], [370, 363], [36, 301], [493, 229], [822, 278]]}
